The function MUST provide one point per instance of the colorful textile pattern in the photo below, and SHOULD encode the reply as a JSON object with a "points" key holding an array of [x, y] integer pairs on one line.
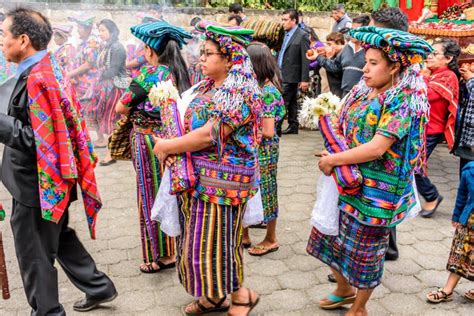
{"points": [[403, 47], [227, 169], [358, 252], [136, 54], [2, 212], [210, 256], [157, 34], [348, 177], [6, 69], [400, 113], [195, 74], [65, 155], [268, 152], [155, 243], [446, 84], [86, 53], [461, 257], [65, 55]]}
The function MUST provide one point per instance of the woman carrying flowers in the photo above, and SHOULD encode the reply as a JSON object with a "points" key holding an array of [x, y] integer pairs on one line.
{"points": [[162, 51], [222, 124], [382, 122]]}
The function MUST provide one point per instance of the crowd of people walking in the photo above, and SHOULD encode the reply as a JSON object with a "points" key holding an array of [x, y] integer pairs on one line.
{"points": [[219, 138]]}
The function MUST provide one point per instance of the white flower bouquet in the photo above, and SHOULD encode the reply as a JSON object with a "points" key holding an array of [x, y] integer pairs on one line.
{"points": [[163, 93], [313, 108]]}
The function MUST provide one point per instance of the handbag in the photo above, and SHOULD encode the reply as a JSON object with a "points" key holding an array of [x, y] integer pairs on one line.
{"points": [[119, 141], [121, 82]]}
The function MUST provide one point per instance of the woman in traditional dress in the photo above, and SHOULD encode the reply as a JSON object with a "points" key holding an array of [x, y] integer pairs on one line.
{"points": [[164, 62], [269, 79], [65, 53], [83, 73], [111, 83], [442, 78], [222, 124], [382, 122]]}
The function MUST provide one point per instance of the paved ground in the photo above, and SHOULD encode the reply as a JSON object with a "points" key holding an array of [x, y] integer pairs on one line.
{"points": [[290, 281]]}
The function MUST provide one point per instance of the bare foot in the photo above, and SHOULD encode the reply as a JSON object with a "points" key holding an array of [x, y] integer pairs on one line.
{"points": [[357, 312], [168, 260], [247, 300], [149, 267]]}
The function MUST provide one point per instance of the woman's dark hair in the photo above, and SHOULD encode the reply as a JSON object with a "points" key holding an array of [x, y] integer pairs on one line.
{"points": [[33, 24], [451, 49], [170, 55], [312, 34], [264, 64], [237, 18], [336, 37], [112, 28], [362, 19], [195, 21]]}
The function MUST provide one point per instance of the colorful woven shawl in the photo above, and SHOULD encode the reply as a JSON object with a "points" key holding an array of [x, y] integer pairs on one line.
{"points": [[64, 151], [348, 177], [445, 83], [158, 33]]}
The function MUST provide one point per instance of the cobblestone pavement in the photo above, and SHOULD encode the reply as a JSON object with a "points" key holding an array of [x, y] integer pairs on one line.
{"points": [[290, 281]]}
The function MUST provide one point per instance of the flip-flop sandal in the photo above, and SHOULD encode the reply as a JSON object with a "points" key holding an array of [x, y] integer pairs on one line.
{"points": [[266, 250], [246, 245], [251, 305], [259, 226], [439, 296], [217, 307], [469, 295], [164, 266], [337, 301], [107, 163], [148, 268]]}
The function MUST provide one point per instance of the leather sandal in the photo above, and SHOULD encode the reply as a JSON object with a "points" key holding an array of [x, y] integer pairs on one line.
{"points": [[439, 296], [216, 307], [148, 268], [251, 305], [469, 295]]}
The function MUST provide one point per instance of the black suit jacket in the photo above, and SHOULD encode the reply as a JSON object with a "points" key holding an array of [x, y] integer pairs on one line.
{"points": [[295, 65], [19, 171]]}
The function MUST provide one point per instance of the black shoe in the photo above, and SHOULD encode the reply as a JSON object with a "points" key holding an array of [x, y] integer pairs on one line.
{"points": [[331, 278], [391, 256], [89, 303], [429, 213], [290, 130]]}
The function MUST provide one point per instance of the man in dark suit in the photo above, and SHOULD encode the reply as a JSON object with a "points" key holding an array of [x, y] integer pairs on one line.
{"points": [[294, 67], [41, 237]]}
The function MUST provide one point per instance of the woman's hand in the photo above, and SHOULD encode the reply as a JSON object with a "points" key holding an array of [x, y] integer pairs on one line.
{"points": [[326, 164], [158, 149], [311, 54], [455, 224], [170, 160]]}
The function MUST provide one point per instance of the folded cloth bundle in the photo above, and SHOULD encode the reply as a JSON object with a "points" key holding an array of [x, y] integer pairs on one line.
{"points": [[348, 177], [235, 33], [156, 34]]}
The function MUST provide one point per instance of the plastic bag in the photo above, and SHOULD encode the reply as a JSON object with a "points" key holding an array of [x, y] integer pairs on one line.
{"points": [[254, 211], [325, 215], [165, 209], [415, 209]]}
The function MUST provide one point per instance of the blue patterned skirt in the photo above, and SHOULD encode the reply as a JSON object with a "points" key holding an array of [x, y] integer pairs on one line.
{"points": [[358, 252]]}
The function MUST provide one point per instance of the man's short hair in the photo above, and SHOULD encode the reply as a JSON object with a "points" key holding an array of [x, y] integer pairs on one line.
{"points": [[363, 19], [237, 19], [236, 8], [336, 37], [33, 24], [339, 7], [391, 18], [300, 13], [292, 13]]}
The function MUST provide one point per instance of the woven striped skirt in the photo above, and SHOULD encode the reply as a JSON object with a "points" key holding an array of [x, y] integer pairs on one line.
{"points": [[268, 160], [106, 96], [155, 243], [210, 256], [358, 252]]}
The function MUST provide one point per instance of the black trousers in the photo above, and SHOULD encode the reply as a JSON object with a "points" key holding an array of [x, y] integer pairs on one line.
{"points": [[423, 184], [392, 250], [290, 94], [38, 243]]}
